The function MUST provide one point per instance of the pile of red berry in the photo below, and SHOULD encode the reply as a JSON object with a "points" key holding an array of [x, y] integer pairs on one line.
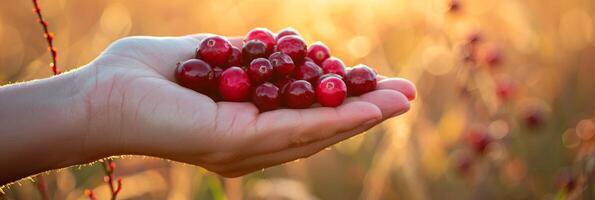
{"points": [[272, 71]]}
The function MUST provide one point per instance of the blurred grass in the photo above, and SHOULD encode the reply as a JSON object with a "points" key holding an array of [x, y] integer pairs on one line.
{"points": [[547, 51]]}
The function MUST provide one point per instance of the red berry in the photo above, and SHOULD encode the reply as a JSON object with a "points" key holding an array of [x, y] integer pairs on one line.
{"points": [[263, 35], [308, 71], [478, 139], [360, 79], [534, 117], [505, 87], [493, 56], [454, 6], [286, 32], [331, 91], [260, 70], [235, 59], [299, 94], [463, 163], [333, 65], [217, 73], [282, 64], [234, 85], [253, 49], [565, 180], [266, 97], [318, 52], [195, 74], [293, 46], [329, 75], [214, 50], [282, 84]]}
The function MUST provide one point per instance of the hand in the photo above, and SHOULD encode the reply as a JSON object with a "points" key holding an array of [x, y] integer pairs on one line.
{"points": [[134, 106]]}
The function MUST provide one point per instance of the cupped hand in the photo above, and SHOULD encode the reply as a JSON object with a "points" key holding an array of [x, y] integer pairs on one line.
{"points": [[135, 107]]}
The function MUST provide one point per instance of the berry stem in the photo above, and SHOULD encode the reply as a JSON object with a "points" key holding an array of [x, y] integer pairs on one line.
{"points": [[49, 37]]}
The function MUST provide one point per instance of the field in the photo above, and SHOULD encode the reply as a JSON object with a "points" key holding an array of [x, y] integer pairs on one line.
{"points": [[505, 107]]}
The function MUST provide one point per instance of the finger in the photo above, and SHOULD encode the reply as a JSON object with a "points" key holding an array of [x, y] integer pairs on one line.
{"points": [[390, 102], [399, 84], [399, 106], [267, 160], [281, 129]]}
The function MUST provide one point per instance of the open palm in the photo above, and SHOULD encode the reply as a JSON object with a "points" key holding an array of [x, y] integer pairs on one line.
{"points": [[135, 103]]}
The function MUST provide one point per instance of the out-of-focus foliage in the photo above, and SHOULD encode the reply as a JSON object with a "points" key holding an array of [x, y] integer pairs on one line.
{"points": [[506, 104]]}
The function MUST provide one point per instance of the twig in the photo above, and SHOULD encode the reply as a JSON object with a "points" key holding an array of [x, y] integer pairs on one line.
{"points": [[49, 37]]}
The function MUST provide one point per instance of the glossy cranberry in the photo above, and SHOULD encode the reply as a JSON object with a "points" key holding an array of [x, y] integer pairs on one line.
{"points": [[260, 70], [263, 35], [214, 50], [286, 32], [331, 91], [299, 94], [195, 74], [282, 64], [217, 71], [235, 59], [282, 84], [318, 52], [253, 49], [234, 85], [333, 65], [327, 76], [293, 46], [360, 79], [266, 97], [308, 71]]}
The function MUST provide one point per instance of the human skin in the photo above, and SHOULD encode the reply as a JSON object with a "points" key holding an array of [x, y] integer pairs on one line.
{"points": [[126, 102]]}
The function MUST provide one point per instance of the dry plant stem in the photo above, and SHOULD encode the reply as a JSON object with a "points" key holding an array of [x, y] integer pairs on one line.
{"points": [[49, 37], [109, 166]]}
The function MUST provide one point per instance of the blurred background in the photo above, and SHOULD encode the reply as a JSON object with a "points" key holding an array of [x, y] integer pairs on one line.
{"points": [[505, 110]]}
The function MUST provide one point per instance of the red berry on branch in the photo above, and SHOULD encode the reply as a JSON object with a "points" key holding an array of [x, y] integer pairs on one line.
{"points": [[478, 139], [195, 74], [214, 50], [360, 79], [318, 52], [331, 91], [266, 97], [293, 46], [234, 85], [299, 94]]}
